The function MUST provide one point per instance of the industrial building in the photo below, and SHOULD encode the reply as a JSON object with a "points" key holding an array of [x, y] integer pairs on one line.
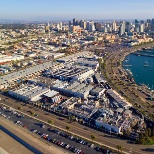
{"points": [[73, 57], [75, 73], [77, 89], [6, 58], [29, 92], [108, 121], [82, 111], [11, 79], [97, 91], [93, 63], [117, 100]]}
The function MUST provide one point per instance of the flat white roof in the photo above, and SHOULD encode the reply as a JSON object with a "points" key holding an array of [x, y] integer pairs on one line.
{"points": [[51, 93]]}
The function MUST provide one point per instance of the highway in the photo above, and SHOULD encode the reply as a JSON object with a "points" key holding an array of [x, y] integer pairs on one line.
{"points": [[101, 137]]}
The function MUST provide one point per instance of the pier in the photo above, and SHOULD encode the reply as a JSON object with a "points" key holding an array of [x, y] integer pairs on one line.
{"points": [[143, 54], [127, 65]]}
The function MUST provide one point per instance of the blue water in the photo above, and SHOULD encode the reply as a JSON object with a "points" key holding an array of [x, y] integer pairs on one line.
{"points": [[141, 74]]}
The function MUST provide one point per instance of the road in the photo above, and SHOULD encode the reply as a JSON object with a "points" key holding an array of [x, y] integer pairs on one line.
{"points": [[34, 124], [101, 137], [130, 91]]}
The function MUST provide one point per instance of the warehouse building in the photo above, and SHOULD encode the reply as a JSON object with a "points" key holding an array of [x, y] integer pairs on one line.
{"points": [[97, 91], [10, 79], [29, 92], [77, 89], [117, 100], [75, 73]]}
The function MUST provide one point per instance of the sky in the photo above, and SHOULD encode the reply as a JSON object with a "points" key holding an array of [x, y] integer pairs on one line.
{"points": [[81, 9]]}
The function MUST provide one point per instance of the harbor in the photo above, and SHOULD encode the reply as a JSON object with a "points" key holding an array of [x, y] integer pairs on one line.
{"points": [[141, 67]]}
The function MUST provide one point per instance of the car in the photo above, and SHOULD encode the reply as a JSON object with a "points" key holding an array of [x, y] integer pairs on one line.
{"points": [[34, 130], [36, 115], [71, 137], [75, 150], [98, 149], [62, 143], [91, 145], [78, 151], [53, 140], [67, 146], [40, 133], [49, 138], [81, 152], [24, 126], [58, 143], [43, 126]]}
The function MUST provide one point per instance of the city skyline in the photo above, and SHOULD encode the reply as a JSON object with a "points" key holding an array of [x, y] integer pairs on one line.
{"points": [[66, 10]]}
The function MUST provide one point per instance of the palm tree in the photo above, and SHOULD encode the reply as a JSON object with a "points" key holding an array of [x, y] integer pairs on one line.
{"points": [[68, 128], [51, 122], [93, 137], [119, 148], [19, 108]]}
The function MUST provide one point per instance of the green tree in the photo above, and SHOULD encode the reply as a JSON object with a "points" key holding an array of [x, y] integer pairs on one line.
{"points": [[93, 137], [68, 128], [19, 108], [50, 121], [32, 113], [80, 121], [126, 133], [152, 132], [120, 149], [149, 132]]}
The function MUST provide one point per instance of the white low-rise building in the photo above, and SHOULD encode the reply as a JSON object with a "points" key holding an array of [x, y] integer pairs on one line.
{"points": [[29, 92]]}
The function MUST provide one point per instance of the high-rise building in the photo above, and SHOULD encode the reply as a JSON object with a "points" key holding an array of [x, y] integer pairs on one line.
{"points": [[98, 26], [141, 28], [152, 25], [122, 28], [83, 24], [91, 27], [70, 23], [114, 26], [87, 25], [74, 22], [60, 25]]}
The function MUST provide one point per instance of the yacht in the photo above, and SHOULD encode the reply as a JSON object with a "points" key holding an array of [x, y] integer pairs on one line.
{"points": [[146, 64], [129, 72]]}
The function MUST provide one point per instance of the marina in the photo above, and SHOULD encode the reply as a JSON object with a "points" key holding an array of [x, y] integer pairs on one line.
{"points": [[141, 68]]}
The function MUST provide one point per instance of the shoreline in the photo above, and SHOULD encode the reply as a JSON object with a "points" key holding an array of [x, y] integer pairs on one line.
{"points": [[124, 57]]}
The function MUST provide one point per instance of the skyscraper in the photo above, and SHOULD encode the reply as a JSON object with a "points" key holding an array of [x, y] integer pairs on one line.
{"points": [[141, 28], [122, 28], [114, 26], [91, 27], [74, 21], [152, 25]]}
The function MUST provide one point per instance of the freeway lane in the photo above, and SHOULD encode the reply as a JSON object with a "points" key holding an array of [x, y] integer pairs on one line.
{"points": [[80, 129]]}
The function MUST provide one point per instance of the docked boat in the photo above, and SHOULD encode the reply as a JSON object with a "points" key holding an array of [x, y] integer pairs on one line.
{"points": [[129, 72], [146, 64]]}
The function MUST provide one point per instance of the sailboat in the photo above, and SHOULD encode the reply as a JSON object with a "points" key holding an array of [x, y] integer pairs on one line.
{"points": [[127, 59], [146, 64]]}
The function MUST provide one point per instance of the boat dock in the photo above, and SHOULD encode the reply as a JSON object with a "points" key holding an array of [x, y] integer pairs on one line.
{"points": [[127, 65], [143, 54]]}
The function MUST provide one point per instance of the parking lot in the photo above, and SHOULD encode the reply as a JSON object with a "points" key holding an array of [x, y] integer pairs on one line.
{"points": [[52, 135]]}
